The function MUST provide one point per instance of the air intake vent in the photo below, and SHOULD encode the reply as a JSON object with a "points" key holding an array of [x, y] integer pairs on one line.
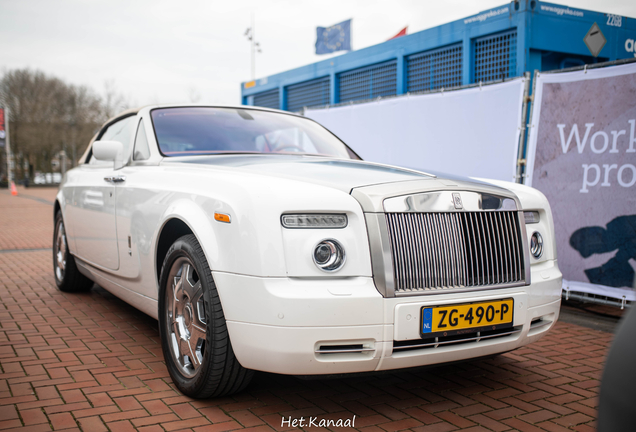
{"points": [[440, 251]]}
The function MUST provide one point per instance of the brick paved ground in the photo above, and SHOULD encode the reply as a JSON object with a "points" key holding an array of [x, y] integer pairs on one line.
{"points": [[26, 223], [91, 362]]}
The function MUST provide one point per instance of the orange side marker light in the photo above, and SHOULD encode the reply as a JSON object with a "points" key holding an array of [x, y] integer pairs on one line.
{"points": [[222, 217]]}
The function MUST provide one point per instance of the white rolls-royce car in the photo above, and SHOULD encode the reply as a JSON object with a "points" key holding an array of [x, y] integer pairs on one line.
{"points": [[261, 242]]}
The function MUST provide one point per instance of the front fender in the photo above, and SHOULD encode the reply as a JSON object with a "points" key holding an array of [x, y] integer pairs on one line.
{"points": [[235, 247]]}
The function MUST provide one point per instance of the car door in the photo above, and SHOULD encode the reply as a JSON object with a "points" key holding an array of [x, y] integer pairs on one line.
{"points": [[94, 201], [134, 203]]}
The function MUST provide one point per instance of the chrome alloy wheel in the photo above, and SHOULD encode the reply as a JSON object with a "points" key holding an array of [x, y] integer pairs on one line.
{"points": [[185, 317], [60, 252]]}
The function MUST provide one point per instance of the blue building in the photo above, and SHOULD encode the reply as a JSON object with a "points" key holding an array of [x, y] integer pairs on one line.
{"points": [[496, 44]]}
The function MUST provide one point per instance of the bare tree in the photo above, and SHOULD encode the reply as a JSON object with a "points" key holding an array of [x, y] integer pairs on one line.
{"points": [[31, 97], [84, 114], [113, 101], [49, 116]]}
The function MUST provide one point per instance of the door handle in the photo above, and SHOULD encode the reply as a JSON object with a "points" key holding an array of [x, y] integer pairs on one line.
{"points": [[115, 179]]}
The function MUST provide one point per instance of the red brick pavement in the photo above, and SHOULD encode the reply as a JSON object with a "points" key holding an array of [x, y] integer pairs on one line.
{"points": [[91, 362], [26, 223]]}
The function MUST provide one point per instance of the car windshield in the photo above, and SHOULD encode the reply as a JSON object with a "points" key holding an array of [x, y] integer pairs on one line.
{"points": [[202, 130]]}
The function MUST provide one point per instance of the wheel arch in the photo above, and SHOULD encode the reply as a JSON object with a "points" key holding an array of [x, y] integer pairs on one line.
{"points": [[171, 230], [59, 207], [185, 216], [56, 208]]}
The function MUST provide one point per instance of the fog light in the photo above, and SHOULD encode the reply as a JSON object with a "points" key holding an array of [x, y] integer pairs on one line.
{"points": [[536, 245], [329, 255]]}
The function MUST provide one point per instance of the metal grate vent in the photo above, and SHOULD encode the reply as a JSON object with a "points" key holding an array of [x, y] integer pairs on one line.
{"points": [[308, 94], [369, 82], [268, 99], [496, 57], [433, 251], [436, 69]]}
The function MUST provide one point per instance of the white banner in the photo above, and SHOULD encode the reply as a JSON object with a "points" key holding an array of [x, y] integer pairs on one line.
{"points": [[472, 132], [582, 156]]}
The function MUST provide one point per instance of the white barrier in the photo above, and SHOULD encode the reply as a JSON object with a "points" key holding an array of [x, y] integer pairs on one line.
{"points": [[471, 132], [582, 156]]}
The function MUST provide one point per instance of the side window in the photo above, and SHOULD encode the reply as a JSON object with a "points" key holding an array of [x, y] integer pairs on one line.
{"points": [[120, 131], [141, 150]]}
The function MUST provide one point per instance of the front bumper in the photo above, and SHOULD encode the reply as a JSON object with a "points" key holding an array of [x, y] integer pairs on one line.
{"points": [[282, 325]]}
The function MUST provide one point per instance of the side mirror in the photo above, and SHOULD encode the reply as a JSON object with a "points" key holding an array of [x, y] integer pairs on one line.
{"points": [[109, 151]]}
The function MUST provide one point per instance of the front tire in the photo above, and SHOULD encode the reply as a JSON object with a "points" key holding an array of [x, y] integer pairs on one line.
{"points": [[194, 337], [67, 276]]}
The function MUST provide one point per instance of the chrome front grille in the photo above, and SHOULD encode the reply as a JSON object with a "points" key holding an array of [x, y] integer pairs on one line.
{"points": [[450, 250]]}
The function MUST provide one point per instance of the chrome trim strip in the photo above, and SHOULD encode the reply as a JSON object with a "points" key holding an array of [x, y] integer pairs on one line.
{"points": [[344, 351], [437, 290], [443, 201], [526, 248], [456, 341], [381, 259], [115, 179], [381, 165]]}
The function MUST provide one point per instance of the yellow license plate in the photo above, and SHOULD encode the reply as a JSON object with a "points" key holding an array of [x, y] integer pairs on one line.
{"points": [[457, 319]]}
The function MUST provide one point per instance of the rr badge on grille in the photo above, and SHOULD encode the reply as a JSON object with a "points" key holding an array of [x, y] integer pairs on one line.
{"points": [[457, 200]]}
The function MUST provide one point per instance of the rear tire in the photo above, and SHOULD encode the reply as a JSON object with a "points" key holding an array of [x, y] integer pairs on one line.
{"points": [[67, 276], [194, 337]]}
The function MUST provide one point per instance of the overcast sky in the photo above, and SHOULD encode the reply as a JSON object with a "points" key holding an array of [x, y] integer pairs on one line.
{"points": [[173, 51]]}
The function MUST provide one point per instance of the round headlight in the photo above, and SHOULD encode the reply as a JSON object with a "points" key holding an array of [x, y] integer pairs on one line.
{"points": [[329, 255], [536, 245]]}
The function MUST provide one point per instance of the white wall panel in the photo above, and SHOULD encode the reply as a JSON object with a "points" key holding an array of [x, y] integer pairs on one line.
{"points": [[471, 132]]}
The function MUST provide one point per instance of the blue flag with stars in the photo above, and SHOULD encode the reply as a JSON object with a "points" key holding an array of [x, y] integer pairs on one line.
{"points": [[334, 38]]}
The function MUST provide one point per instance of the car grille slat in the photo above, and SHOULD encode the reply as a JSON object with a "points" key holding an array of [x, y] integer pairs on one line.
{"points": [[468, 251], [498, 245], [430, 249], [514, 229], [506, 239], [504, 250], [441, 251], [480, 252]]}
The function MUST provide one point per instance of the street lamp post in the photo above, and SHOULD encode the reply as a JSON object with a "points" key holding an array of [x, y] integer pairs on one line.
{"points": [[256, 47], [7, 147]]}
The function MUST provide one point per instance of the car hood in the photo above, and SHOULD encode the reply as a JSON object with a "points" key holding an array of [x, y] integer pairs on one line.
{"points": [[341, 174], [369, 183]]}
